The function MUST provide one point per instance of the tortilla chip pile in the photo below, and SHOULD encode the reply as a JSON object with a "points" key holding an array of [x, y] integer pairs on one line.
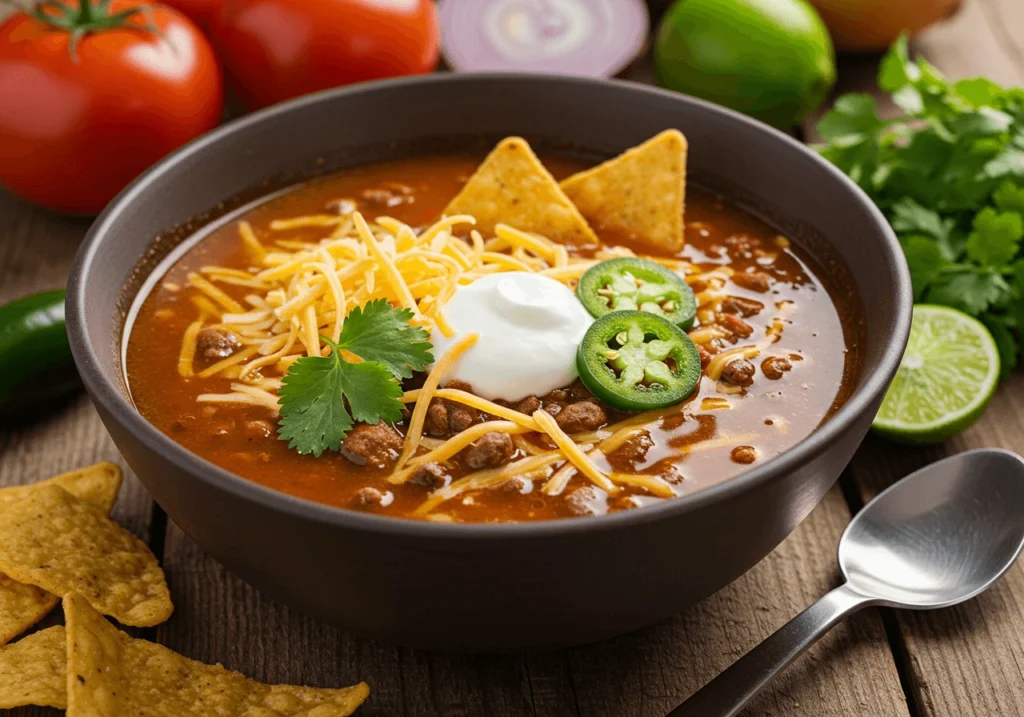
{"points": [[639, 195], [56, 539]]}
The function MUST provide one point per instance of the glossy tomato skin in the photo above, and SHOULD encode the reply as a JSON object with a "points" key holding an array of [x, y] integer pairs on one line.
{"points": [[202, 12], [74, 133], [274, 50]]}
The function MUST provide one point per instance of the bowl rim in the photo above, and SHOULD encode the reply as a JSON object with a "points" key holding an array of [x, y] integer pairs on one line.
{"points": [[111, 399]]}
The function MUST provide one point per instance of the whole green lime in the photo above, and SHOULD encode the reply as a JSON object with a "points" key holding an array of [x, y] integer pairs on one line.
{"points": [[771, 59]]}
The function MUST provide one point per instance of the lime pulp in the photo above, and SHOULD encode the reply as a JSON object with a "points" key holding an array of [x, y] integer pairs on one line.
{"points": [[947, 376]]}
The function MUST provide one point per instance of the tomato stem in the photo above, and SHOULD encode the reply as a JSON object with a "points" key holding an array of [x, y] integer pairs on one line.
{"points": [[87, 18]]}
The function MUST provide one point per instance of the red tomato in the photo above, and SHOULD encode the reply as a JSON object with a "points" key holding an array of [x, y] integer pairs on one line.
{"points": [[203, 12], [274, 50], [76, 128]]}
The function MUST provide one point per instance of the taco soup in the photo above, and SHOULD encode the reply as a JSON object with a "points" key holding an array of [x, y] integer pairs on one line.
{"points": [[440, 339]]}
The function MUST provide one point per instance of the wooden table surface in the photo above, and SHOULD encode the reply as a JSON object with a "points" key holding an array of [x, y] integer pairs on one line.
{"points": [[966, 661]]}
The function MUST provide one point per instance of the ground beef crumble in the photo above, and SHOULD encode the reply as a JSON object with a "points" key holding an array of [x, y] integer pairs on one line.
{"points": [[376, 446], [216, 344]]}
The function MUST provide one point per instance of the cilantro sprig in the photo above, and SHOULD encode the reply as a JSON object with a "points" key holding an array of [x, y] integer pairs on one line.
{"points": [[321, 397], [949, 175]]}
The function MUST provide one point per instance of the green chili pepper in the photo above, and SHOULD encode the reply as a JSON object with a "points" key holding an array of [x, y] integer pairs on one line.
{"points": [[638, 285], [636, 361], [35, 357]]}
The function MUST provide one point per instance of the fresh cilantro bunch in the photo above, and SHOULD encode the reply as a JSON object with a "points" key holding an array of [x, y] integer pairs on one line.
{"points": [[949, 175], [321, 397]]}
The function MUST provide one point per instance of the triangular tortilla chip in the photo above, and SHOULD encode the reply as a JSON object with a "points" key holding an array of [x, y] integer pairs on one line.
{"points": [[97, 484], [110, 673], [639, 195], [33, 671], [63, 544], [21, 605], [512, 187]]}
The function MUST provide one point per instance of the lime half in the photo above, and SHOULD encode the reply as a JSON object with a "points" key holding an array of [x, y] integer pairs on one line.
{"points": [[948, 374]]}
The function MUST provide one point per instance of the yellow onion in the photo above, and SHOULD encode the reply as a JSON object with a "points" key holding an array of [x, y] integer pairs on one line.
{"points": [[866, 25]]}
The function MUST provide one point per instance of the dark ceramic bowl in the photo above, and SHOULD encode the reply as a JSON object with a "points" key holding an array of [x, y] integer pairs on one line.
{"points": [[488, 587]]}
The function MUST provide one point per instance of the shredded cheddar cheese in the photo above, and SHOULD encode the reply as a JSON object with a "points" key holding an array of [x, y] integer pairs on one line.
{"points": [[419, 413], [300, 290], [188, 349], [573, 452]]}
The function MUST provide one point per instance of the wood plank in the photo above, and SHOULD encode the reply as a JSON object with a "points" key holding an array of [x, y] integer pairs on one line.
{"points": [[221, 619], [36, 249], [1006, 18], [965, 660]]}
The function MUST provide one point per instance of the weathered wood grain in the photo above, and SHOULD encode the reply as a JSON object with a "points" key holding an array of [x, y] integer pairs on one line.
{"points": [[968, 660]]}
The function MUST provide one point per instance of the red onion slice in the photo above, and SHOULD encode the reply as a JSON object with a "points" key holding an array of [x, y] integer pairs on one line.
{"points": [[589, 38]]}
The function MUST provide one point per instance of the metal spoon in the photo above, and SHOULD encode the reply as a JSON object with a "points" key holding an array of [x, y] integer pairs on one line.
{"points": [[936, 538]]}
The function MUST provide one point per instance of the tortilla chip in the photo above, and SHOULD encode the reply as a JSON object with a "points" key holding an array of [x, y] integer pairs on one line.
{"points": [[63, 544], [639, 195], [512, 187], [22, 606], [110, 673], [33, 671], [97, 484]]}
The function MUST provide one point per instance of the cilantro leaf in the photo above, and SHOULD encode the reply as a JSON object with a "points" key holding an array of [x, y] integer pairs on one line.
{"points": [[970, 291], [983, 121], [909, 216], [1009, 163], [321, 397], [313, 395], [978, 91], [926, 262], [1005, 342], [313, 413], [1018, 281], [995, 238], [1008, 197], [949, 175], [898, 75], [379, 332], [373, 393], [853, 116]]}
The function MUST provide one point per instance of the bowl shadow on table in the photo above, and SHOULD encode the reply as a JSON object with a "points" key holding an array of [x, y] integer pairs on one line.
{"points": [[219, 618]]}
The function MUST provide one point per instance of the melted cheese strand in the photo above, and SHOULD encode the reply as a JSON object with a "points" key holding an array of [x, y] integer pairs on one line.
{"points": [[419, 413], [479, 403], [652, 484], [188, 349], [721, 360], [251, 242], [489, 477], [218, 296], [385, 264], [572, 451], [460, 440]]}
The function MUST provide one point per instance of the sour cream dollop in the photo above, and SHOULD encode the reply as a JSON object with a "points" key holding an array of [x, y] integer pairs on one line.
{"points": [[529, 327]]}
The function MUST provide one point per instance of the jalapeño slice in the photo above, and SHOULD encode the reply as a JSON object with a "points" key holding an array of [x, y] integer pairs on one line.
{"points": [[637, 285], [636, 361]]}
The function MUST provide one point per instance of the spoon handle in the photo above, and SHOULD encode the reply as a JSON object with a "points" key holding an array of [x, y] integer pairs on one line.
{"points": [[728, 693]]}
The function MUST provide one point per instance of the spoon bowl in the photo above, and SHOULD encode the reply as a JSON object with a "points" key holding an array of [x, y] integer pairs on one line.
{"points": [[941, 535], [936, 538]]}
